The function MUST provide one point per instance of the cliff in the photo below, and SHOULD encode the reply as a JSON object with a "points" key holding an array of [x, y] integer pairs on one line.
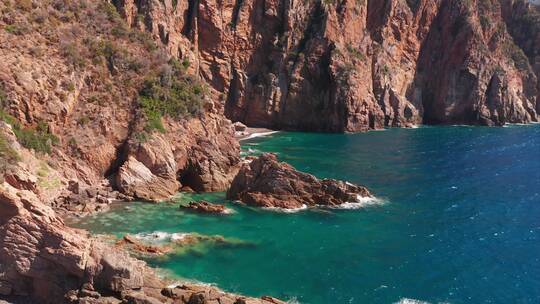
{"points": [[124, 99], [105, 105], [44, 261], [341, 65]]}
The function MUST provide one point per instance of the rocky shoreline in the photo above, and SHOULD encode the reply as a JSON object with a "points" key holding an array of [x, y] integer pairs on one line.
{"points": [[266, 182], [44, 260], [124, 100]]}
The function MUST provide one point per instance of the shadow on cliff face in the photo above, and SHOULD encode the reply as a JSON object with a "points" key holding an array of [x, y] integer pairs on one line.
{"points": [[463, 76]]}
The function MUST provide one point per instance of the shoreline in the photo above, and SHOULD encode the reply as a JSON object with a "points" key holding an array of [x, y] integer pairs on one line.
{"points": [[250, 133]]}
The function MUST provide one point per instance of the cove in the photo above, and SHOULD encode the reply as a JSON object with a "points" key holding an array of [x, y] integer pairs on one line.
{"points": [[458, 221]]}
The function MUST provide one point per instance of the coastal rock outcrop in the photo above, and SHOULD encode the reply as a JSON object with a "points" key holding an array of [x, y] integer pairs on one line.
{"points": [[266, 182], [206, 207], [42, 258], [44, 261], [150, 171], [204, 157]]}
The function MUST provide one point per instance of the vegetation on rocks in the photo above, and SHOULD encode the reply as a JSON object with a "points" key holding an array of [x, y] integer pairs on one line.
{"points": [[38, 138], [8, 155], [171, 93]]}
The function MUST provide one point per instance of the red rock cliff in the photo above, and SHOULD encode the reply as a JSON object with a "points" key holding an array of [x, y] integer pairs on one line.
{"points": [[342, 65]]}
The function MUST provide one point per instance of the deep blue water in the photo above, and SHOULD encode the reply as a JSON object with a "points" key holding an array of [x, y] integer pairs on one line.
{"points": [[460, 222]]}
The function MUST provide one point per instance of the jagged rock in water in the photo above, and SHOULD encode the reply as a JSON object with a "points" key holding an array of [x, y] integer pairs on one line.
{"points": [[266, 182], [206, 207]]}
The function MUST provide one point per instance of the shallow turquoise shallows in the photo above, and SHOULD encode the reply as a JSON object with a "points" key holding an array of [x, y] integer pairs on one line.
{"points": [[459, 222]]}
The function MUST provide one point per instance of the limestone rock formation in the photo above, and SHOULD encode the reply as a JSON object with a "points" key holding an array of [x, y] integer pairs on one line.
{"points": [[266, 182]]}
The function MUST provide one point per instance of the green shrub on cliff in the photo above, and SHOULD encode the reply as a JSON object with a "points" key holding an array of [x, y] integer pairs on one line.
{"points": [[171, 93], [39, 138], [8, 155]]}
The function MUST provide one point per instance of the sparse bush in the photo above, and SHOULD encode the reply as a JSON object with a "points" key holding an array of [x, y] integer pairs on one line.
{"points": [[386, 70], [356, 53], [185, 63], [83, 120], [39, 139], [144, 38], [518, 56], [111, 11], [17, 29], [3, 99], [172, 94], [73, 54], [8, 155], [485, 22]]}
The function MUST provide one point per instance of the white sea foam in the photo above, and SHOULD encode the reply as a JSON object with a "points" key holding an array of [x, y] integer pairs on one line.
{"points": [[410, 301], [361, 202], [293, 300], [249, 152], [286, 210], [160, 237], [260, 134], [517, 124]]}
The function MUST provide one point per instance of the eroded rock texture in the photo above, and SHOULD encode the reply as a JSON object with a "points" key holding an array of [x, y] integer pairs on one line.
{"points": [[78, 73], [355, 65], [266, 182], [44, 261]]}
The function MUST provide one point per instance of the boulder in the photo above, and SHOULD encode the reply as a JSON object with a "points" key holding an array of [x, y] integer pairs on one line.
{"points": [[135, 179], [266, 182], [239, 127], [206, 207]]}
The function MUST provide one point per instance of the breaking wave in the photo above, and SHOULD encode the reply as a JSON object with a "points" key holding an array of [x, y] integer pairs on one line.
{"points": [[410, 301], [160, 237]]}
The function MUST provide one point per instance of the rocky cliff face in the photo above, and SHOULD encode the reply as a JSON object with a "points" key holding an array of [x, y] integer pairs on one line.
{"points": [[71, 74], [44, 261], [354, 65]]}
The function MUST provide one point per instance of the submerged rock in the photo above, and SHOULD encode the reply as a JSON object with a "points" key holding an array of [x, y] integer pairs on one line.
{"points": [[206, 207], [135, 245], [266, 182], [161, 243]]}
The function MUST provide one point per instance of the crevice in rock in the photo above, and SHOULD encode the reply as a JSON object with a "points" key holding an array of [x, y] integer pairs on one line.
{"points": [[120, 158], [163, 35], [191, 178], [232, 97], [191, 18], [236, 12], [283, 14], [314, 26], [376, 17], [122, 151]]}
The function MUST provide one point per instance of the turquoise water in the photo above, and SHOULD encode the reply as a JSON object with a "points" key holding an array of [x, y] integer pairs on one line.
{"points": [[460, 222]]}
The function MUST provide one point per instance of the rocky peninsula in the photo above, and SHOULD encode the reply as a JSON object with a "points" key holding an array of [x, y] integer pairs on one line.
{"points": [[266, 182]]}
